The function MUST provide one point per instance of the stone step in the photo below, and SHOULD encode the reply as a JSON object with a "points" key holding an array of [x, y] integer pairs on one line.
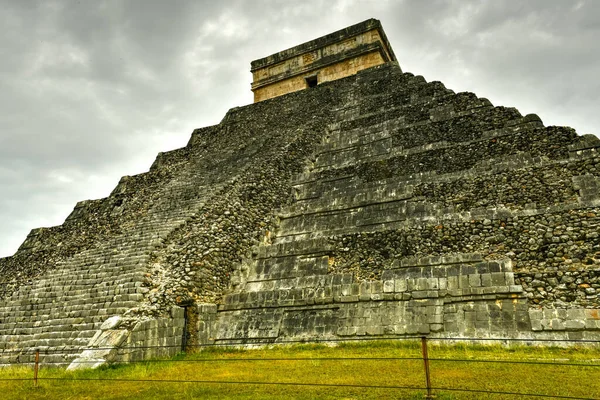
{"points": [[326, 223], [550, 142], [289, 248], [25, 296], [489, 183], [388, 142], [33, 327], [287, 267], [446, 107], [453, 277], [451, 109], [74, 301], [385, 80], [49, 356], [100, 309], [355, 195], [421, 92], [414, 91]]}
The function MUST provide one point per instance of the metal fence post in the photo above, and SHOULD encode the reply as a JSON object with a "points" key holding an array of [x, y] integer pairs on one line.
{"points": [[429, 395], [36, 368]]}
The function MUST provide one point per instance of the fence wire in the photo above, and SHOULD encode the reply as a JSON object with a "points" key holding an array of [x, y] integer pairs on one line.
{"points": [[243, 342]]}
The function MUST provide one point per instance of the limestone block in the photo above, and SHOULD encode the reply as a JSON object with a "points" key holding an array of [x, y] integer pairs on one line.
{"points": [[591, 324], [111, 323], [574, 325], [474, 280], [400, 285], [110, 338], [575, 314], [106, 343], [388, 286]]}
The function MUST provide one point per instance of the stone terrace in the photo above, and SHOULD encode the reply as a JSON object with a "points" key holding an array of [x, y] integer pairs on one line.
{"points": [[378, 204], [427, 211]]}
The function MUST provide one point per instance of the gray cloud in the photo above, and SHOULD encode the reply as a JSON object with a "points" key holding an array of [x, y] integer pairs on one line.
{"points": [[91, 91]]}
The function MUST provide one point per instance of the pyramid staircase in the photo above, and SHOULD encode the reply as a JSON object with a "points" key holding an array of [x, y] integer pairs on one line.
{"points": [[406, 157], [420, 211], [60, 312]]}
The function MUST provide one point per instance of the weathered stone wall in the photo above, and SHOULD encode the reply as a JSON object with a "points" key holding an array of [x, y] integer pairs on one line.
{"points": [[378, 204], [341, 69], [90, 223], [179, 230], [151, 338], [429, 212], [330, 57]]}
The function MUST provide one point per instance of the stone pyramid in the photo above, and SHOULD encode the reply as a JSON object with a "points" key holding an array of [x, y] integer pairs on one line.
{"points": [[374, 204]]}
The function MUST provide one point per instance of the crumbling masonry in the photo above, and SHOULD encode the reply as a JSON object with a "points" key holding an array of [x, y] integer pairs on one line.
{"points": [[374, 204]]}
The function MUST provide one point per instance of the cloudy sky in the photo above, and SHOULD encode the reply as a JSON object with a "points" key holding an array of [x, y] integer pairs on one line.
{"points": [[91, 90]]}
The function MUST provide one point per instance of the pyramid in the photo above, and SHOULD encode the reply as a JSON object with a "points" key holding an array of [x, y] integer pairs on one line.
{"points": [[366, 203]]}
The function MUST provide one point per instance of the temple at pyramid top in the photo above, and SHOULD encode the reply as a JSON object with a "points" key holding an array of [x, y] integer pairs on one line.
{"points": [[330, 57]]}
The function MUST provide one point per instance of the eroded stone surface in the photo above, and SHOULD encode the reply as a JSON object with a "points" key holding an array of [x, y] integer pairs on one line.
{"points": [[379, 204]]}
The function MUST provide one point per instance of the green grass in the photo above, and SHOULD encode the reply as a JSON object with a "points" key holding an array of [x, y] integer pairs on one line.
{"points": [[226, 364]]}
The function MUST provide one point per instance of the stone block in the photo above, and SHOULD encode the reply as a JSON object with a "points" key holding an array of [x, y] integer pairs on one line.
{"points": [[515, 289], [549, 313], [591, 324], [412, 329], [376, 296], [374, 330], [376, 287], [463, 282], [486, 279], [453, 283], [451, 326], [433, 284], [474, 280], [499, 279], [342, 331], [575, 314], [557, 325], [536, 314], [450, 316], [482, 324], [421, 284], [346, 290], [574, 325], [388, 286], [423, 329], [400, 285]]}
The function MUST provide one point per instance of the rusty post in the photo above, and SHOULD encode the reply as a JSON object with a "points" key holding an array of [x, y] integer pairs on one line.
{"points": [[429, 395], [36, 368]]}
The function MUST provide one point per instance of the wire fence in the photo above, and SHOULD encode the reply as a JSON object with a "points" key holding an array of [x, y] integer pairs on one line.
{"points": [[423, 357]]}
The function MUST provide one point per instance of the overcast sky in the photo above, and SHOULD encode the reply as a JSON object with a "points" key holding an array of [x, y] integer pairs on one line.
{"points": [[92, 90]]}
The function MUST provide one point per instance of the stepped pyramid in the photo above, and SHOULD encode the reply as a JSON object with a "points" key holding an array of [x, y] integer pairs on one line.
{"points": [[351, 199]]}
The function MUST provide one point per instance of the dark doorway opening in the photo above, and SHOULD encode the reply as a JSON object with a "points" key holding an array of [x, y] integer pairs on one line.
{"points": [[186, 334], [311, 81]]}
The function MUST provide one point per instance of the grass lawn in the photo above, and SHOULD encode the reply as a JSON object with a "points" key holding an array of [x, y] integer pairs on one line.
{"points": [[315, 364]]}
